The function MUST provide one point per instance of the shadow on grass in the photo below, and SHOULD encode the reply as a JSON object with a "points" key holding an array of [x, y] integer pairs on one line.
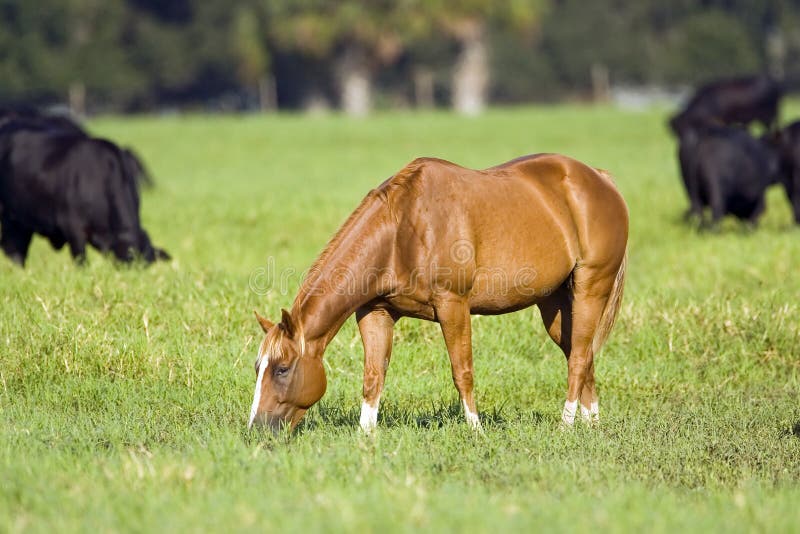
{"points": [[729, 225], [791, 432], [439, 415]]}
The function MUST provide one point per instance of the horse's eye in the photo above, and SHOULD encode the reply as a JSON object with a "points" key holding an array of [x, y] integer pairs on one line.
{"points": [[281, 371]]}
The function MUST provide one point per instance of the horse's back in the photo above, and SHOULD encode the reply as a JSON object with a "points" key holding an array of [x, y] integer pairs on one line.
{"points": [[597, 210], [541, 194], [520, 224]]}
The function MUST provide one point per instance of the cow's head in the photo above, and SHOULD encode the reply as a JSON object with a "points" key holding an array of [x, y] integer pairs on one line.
{"points": [[137, 245]]}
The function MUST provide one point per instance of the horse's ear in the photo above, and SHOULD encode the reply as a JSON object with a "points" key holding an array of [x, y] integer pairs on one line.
{"points": [[264, 322], [286, 321]]}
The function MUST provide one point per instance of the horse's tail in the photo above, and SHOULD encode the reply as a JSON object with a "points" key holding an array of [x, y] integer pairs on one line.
{"points": [[612, 307]]}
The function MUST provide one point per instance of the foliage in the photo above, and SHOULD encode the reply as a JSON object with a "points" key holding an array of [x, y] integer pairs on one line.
{"points": [[702, 40], [145, 53]]}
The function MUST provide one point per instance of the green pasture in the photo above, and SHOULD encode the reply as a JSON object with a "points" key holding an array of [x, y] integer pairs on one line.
{"points": [[124, 391]]}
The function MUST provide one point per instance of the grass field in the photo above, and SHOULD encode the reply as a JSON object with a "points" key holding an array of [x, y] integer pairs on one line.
{"points": [[124, 392]]}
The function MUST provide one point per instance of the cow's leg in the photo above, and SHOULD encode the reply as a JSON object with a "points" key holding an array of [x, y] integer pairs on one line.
{"points": [[693, 184], [101, 241], [716, 198], [591, 289], [376, 326], [15, 241], [77, 247], [454, 318], [769, 118], [695, 208], [758, 210], [794, 194], [76, 235], [56, 241]]}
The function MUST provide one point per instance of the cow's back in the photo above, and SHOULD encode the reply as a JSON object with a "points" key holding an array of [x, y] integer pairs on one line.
{"points": [[33, 188], [738, 100]]}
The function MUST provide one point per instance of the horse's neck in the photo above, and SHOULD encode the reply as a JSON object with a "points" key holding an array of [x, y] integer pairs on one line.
{"points": [[346, 277]]}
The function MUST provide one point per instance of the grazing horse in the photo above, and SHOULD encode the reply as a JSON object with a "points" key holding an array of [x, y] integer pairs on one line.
{"points": [[440, 242]]}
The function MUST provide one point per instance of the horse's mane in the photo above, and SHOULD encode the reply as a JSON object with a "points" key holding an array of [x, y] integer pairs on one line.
{"points": [[340, 234], [406, 180]]}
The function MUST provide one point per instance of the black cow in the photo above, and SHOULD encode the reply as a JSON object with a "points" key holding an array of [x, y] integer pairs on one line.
{"points": [[32, 116], [787, 143], [62, 123], [728, 170], [136, 167], [731, 101], [70, 188]]}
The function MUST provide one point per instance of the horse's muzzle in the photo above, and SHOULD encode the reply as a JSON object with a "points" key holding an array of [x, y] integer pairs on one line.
{"points": [[276, 424]]}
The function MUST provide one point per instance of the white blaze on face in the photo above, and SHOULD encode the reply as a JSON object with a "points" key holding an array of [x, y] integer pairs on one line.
{"points": [[262, 367]]}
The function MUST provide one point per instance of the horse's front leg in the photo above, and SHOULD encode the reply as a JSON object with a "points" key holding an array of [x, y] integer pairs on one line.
{"points": [[376, 326], [454, 318]]}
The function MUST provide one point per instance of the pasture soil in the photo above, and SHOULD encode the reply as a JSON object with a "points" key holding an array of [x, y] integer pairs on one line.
{"points": [[124, 391]]}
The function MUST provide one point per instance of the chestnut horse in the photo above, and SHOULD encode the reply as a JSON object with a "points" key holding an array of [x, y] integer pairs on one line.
{"points": [[440, 242]]}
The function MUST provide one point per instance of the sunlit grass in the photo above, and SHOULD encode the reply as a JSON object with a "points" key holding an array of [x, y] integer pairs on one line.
{"points": [[124, 392]]}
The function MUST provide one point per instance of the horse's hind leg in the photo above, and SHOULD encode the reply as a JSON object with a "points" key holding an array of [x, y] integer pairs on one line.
{"points": [[592, 289], [376, 326], [556, 312], [572, 316]]}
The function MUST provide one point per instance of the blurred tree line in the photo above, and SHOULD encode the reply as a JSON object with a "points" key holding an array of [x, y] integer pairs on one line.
{"points": [[358, 54]]}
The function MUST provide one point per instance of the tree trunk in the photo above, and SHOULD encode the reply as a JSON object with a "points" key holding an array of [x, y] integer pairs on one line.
{"points": [[316, 103], [776, 53], [355, 82], [471, 75], [267, 94], [77, 99], [423, 88], [601, 83]]}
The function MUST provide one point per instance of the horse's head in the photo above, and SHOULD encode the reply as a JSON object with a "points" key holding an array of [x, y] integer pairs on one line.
{"points": [[288, 381]]}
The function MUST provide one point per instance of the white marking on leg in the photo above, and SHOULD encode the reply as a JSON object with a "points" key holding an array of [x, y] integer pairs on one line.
{"points": [[472, 417], [591, 414], [369, 416], [568, 415], [594, 412], [262, 366]]}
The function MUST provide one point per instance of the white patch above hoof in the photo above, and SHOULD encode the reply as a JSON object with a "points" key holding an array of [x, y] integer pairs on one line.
{"points": [[568, 415], [591, 414], [369, 417], [471, 417]]}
